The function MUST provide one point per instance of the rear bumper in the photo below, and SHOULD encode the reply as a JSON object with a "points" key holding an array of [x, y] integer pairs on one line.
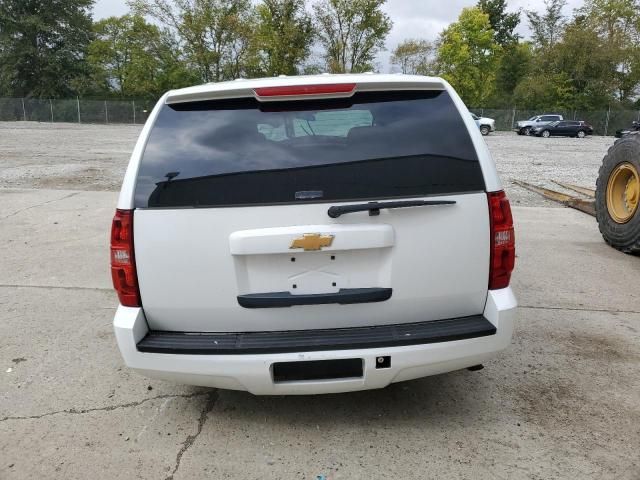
{"points": [[253, 372]]}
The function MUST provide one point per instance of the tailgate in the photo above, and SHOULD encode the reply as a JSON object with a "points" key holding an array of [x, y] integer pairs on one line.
{"points": [[195, 263]]}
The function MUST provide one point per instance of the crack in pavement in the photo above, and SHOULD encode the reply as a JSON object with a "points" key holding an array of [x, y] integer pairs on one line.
{"points": [[211, 401], [60, 287], [576, 309], [40, 205], [108, 408]]}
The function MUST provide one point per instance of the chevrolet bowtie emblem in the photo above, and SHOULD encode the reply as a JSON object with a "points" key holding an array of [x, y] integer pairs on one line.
{"points": [[312, 241]]}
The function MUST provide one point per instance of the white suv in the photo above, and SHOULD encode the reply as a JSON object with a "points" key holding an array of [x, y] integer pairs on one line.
{"points": [[314, 234], [485, 124], [525, 127]]}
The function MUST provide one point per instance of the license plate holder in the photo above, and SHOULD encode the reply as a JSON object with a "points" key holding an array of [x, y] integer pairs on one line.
{"points": [[315, 370]]}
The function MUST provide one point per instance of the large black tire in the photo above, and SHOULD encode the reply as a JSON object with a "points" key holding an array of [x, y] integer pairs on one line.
{"points": [[622, 236], [485, 130]]}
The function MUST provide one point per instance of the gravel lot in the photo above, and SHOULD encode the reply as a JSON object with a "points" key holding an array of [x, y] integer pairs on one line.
{"points": [[94, 157], [541, 160], [65, 155]]}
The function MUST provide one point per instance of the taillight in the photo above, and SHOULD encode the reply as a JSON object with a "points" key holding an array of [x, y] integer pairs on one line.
{"points": [[503, 242], [123, 265]]}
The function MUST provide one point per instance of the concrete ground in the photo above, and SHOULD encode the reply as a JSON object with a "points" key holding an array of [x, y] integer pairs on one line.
{"points": [[562, 402]]}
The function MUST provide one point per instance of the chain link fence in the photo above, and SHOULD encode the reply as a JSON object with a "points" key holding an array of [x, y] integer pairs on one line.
{"points": [[75, 110], [604, 122]]}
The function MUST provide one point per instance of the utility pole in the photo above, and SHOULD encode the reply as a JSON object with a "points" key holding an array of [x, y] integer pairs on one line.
{"points": [[78, 105]]}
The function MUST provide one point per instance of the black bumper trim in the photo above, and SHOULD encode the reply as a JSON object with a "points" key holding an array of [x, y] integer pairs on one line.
{"points": [[343, 296], [317, 340]]}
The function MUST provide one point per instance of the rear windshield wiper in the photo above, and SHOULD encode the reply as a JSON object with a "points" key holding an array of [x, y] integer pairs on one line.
{"points": [[374, 207]]}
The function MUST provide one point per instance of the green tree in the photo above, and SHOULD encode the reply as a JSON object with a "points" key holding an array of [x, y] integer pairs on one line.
{"points": [[215, 35], [545, 91], [502, 22], [583, 58], [43, 45], [468, 56], [351, 32], [617, 24], [133, 58], [514, 64], [546, 28], [589, 62], [415, 56], [284, 37], [173, 70]]}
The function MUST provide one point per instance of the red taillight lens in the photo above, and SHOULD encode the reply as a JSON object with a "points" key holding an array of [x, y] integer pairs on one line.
{"points": [[503, 242], [297, 90], [123, 265]]}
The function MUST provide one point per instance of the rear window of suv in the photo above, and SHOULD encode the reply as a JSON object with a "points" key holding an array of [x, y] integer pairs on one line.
{"points": [[375, 145]]}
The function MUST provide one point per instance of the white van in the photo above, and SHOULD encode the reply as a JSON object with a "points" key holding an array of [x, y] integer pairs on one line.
{"points": [[312, 234]]}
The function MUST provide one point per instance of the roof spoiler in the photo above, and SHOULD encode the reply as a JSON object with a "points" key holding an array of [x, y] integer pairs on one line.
{"points": [[293, 91]]}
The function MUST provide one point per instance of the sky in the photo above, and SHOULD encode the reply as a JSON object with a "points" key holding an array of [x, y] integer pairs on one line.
{"points": [[411, 18]]}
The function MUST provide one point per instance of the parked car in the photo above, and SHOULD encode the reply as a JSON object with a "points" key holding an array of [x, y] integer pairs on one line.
{"points": [[486, 125], [314, 234], [524, 127], [635, 127], [566, 128]]}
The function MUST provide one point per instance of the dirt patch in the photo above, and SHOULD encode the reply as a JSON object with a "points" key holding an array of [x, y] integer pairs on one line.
{"points": [[546, 403], [602, 348], [91, 178]]}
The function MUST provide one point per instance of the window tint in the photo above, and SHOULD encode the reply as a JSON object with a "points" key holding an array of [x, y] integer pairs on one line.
{"points": [[240, 152], [550, 118]]}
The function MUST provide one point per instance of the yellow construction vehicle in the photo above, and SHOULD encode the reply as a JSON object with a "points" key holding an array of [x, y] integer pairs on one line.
{"points": [[618, 195]]}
